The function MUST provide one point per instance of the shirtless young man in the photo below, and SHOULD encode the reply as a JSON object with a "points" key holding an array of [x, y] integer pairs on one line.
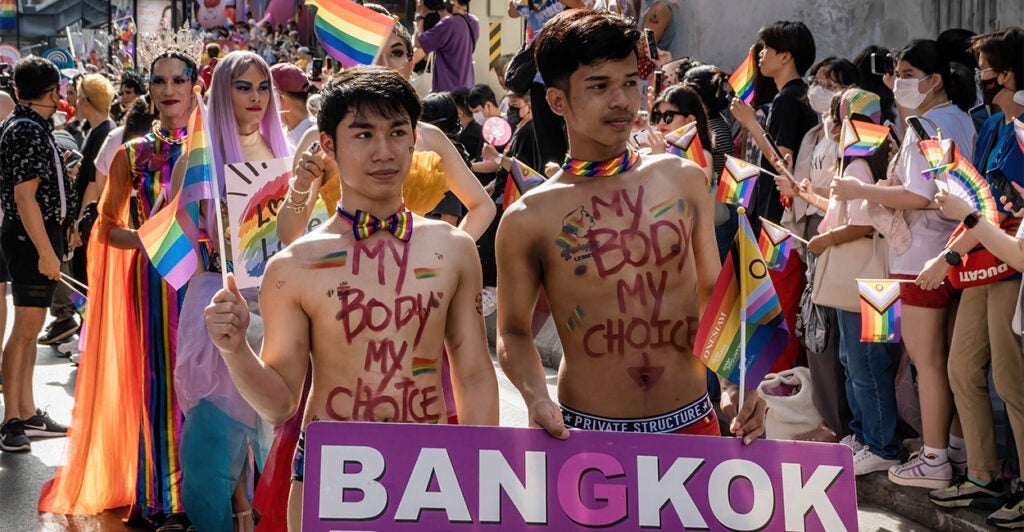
{"points": [[374, 311], [627, 257]]}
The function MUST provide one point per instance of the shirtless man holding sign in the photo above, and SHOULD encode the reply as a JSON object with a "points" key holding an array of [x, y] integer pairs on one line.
{"points": [[623, 245], [374, 294]]}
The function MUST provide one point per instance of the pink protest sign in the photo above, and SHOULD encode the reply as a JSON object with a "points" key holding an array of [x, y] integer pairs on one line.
{"points": [[389, 476]]}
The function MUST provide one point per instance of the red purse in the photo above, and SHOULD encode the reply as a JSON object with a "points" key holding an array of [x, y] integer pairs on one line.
{"points": [[979, 266]]}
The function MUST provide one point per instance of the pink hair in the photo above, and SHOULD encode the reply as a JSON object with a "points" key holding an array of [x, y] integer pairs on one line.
{"points": [[223, 127]]}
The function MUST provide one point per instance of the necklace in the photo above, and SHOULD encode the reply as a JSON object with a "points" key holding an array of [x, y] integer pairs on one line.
{"points": [[177, 136], [613, 166], [249, 139]]}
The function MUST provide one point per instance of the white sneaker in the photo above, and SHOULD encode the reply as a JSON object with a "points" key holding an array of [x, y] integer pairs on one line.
{"points": [[919, 473], [70, 347], [865, 462], [851, 441]]}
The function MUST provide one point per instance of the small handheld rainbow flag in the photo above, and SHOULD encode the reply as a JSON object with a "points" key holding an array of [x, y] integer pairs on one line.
{"points": [[776, 244], [737, 183], [880, 310], [742, 80], [79, 301], [169, 237], [1018, 129], [523, 180], [685, 142], [935, 152], [744, 288], [862, 139], [349, 32]]}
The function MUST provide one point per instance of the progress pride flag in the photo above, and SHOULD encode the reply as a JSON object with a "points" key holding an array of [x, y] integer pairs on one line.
{"points": [[387, 476]]}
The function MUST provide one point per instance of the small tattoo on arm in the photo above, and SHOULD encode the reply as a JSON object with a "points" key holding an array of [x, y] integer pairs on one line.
{"points": [[279, 284], [480, 303]]}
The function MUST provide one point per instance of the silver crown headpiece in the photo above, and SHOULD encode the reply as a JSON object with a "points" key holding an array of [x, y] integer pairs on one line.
{"points": [[151, 45]]}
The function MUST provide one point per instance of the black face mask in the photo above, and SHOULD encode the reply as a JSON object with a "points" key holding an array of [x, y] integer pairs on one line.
{"points": [[512, 116], [989, 89]]}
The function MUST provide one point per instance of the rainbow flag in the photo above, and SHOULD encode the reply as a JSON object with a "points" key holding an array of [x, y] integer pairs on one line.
{"points": [[862, 139], [1018, 129], [685, 142], [964, 181], [743, 288], [523, 180], [737, 183], [79, 301], [349, 32], [775, 244], [169, 237], [8, 15], [880, 310], [742, 80], [935, 152]]}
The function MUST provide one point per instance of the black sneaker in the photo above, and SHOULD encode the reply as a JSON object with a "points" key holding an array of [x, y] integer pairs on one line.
{"points": [[1011, 515], [13, 438], [964, 492], [42, 425], [58, 330]]}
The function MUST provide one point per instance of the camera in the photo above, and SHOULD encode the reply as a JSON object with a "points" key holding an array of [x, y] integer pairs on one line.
{"points": [[882, 64]]}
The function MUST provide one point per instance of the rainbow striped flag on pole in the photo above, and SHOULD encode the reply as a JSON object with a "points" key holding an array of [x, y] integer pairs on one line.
{"points": [[744, 301], [862, 139], [775, 243], [79, 301], [685, 142], [880, 310], [737, 183], [349, 32], [169, 237], [742, 80]]}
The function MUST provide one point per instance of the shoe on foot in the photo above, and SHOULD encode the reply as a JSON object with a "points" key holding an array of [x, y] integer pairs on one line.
{"points": [[1011, 515], [865, 462], [919, 473], [68, 347], [13, 438], [59, 330], [176, 522], [964, 492], [42, 425], [851, 441]]}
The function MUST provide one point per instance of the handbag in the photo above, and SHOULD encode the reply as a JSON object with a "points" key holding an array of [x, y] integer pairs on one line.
{"points": [[812, 324], [838, 268], [424, 83], [979, 267]]}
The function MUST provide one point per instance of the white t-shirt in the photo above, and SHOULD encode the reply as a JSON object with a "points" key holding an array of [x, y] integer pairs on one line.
{"points": [[858, 169], [928, 229], [106, 155]]}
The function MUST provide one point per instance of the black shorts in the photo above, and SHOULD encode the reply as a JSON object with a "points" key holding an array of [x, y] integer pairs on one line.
{"points": [[29, 288]]}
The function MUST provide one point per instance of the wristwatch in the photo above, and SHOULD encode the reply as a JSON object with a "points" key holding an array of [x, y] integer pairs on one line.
{"points": [[499, 159], [418, 17], [971, 220], [952, 257]]}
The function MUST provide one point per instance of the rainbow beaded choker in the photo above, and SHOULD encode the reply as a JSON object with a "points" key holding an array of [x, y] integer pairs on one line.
{"points": [[613, 166]]}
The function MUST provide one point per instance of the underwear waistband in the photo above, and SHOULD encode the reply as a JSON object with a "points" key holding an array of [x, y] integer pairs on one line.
{"points": [[673, 421]]}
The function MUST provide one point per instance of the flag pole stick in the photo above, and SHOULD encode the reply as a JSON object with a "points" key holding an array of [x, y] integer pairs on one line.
{"points": [[788, 232], [743, 335], [71, 286], [215, 189], [65, 278]]}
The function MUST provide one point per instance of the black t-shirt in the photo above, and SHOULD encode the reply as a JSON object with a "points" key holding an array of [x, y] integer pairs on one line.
{"points": [[788, 121], [523, 147], [472, 138], [91, 148]]}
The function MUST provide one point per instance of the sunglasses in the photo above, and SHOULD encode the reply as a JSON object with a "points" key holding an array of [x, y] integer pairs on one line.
{"points": [[664, 117]]}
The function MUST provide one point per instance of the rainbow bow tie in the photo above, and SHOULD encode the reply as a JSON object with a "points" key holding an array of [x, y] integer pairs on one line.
{"points": [[365, 224]]}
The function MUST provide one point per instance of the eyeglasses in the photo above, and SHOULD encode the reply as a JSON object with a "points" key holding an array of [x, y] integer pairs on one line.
{"points": [[978, 72], [665, 117]]}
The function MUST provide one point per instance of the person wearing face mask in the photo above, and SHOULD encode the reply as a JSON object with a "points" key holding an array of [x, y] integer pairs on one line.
{"points": [[38, 201], [924, 86], [816, 164], [983, 335]]}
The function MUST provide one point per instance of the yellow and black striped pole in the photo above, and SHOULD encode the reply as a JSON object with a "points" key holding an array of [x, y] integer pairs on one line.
{"points": [[494, 49]]}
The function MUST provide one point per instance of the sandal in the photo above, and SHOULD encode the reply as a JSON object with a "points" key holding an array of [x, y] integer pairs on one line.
{"points": [[244, 521]]}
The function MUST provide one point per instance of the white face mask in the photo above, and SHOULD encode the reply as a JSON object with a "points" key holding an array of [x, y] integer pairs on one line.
{"points": [[820, 99], [907, 93], [478, 117]]}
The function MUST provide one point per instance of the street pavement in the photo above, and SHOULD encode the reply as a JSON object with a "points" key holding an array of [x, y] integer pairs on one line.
{"points": [[22, 475]]}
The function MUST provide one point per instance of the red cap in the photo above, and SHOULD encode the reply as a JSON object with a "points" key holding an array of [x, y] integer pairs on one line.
{"points": [[289, 78]]}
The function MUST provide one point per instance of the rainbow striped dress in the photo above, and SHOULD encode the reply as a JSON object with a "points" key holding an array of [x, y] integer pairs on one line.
{"points": [[157, 305]]}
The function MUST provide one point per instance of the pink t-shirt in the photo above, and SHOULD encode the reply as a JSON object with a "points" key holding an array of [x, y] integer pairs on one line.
{"points": [[858, 169]]}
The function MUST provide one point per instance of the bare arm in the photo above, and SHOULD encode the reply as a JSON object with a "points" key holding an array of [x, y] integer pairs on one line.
{"points": [[32, 219], [473, 380], [518, 289], [272, 382], [894, 197], [705, 246], [512, 11], [659, 17], [460, 179], [308, 169], [114, 204]]}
